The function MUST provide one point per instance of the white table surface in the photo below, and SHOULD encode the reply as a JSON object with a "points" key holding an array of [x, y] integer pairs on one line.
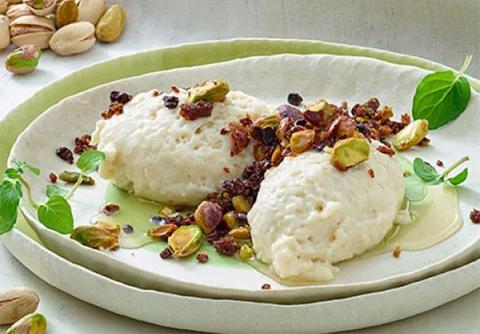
{"points": [[444, 31]]}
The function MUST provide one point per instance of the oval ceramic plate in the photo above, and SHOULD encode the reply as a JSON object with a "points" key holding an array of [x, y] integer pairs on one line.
{"points": [[335, 78]]}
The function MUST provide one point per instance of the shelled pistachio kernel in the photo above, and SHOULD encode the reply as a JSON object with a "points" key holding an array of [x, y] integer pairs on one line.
{"points": [[349, 152], [72, 177], [301, 140], [209, 91], [241, 204], [185, 241], [207, 216], [67, 12], [95, 237], [111, 24], [162, 232], [230, 219], [241, 232], [246, 252], [34, 323], [23, 60], [411, 135]]}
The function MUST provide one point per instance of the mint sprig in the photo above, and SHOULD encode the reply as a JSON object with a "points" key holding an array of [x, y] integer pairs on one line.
{"points": [[427, 173], [56, 212]]}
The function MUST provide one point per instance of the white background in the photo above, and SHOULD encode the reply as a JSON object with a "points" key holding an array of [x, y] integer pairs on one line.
{"points": [[441, 30]]}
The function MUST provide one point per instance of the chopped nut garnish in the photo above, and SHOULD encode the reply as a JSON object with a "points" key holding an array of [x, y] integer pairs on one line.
{"points": [[266, 286], [82, 144], [65, 154], [385, 150], [371, 172], [114, 109], [193, 111], [162, 232], [52, 177], [226, 246], [202, 257], [396, 252], [475, 216]]}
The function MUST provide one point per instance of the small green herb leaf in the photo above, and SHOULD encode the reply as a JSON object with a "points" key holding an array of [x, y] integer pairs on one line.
{"points": [[459, 178], [10, 194], [13, 173], [442, 96], [424, 170], [90, 160], [21, 165], [56, 214], [54, 190]]}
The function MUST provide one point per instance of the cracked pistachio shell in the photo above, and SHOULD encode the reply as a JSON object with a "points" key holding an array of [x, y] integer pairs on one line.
{"points": [[111, 25], [34, 323], [41, 7], [3, 6], [16, 11], [67, 12], [31, 29], [91, 10], [411, 135], [23, 60], [349, 152], [209, 91], [74, 38], [185, 241], [16, 303], [4, 32]]}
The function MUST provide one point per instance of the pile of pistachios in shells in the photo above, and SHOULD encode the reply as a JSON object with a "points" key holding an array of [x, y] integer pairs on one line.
{"points": [[18, 308], [68, 27]]}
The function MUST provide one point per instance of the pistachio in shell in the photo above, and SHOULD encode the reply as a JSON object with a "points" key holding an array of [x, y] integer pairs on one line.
{"points": [[4, 32], [209, 91], [91, 10], [208, 216], [111, 25], [16, 11], [23, 60], [16, 303], [185, 241], [349, 152], [3, 6], [31, 29], [96, 237], [34, 323], [74, 38], [66, 13], [41, 7], [411, 135]]}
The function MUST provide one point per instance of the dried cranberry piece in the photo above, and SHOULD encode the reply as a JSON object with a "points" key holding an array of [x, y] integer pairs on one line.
{"points": [[294, 99], [110, 209], [475, 216], [65, 154], [123, 98], [166, 253], [53, 177], [202, 257], [266, 286], [227, 246], [268, 136], [192, 111], [170, 101]]}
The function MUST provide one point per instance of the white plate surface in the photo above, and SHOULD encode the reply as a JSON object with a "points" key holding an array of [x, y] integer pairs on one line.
{"points": [[335, 78]]}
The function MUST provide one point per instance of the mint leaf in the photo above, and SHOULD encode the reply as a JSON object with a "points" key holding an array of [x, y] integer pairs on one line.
{"points": [[56, 214], [13, 173], [10, 194], [21, 165], [90, 160], [424, 170], [459, 178], [441, 97], [53, 190]]}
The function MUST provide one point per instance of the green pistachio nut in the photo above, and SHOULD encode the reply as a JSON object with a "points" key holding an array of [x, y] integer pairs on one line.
{"points": [[270, 121], [246, 252], [411, 135], [208, 216], [67, 12], [95, 237], [23, 60], [209, 91], [111, 24], [349, 152], [241, 232], [72, 177], [301, 141], [230, 219], [34, 323], [185, 241], [241, 204]]}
